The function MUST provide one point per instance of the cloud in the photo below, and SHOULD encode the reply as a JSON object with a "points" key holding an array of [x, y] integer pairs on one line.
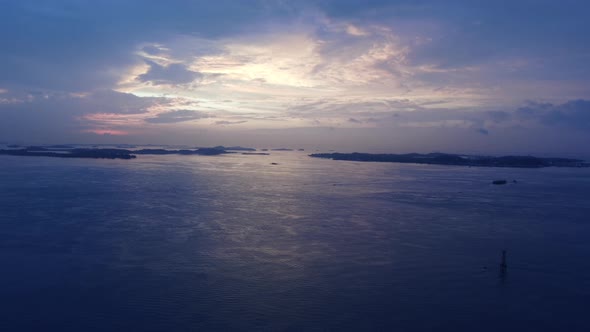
{"points": [[373, 65], [172, 74], [498, 116], [106, 132], [100, 101], [152, 50], [227, 123], [43, 115], [572, 114], [483, 131], [355, 31], [396, 113], [109, 101], [69, 45], [177, 116], [83, 46]]}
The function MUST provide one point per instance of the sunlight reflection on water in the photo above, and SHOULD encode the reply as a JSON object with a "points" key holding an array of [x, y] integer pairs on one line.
{"points": [[236, 243]]}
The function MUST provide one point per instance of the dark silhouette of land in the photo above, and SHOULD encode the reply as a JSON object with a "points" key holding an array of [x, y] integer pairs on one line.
{"points": [[200, 151], [456, 160], [38, 151], [63, 151], [234, 148]]}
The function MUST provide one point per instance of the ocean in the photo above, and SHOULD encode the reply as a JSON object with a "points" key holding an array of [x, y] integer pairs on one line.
{"points": [[234, 243]]}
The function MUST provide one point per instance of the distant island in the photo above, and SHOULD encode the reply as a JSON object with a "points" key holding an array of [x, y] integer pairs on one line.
{"points": [[457, 160], [38, 151], [233, 148], [200, 151], [66, 151]]}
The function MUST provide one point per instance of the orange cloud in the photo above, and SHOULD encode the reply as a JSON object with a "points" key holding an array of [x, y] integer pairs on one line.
{"points": [[107, 132]]}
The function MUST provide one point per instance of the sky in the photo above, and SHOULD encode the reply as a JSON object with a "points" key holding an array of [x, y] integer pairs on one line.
{"points": [[463, 76]]}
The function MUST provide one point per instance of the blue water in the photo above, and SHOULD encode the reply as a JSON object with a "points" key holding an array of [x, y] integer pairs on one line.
{"points": [[187, 243]]}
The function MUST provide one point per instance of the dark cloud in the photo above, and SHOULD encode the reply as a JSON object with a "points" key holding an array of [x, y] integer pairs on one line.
{"points": [[526, 39], [573, 114], [465, 33], [101, 101], [172, 74], [48, 116], [177, 116], [78, 45], [227, 123], [53, 48], [109, 101], [483, 131], [498, 116]]}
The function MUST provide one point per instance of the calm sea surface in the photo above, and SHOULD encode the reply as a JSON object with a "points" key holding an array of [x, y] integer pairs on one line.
{"points": [[196, 243]]}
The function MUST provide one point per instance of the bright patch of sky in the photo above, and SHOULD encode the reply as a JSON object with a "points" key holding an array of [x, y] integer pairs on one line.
{"points": [[416, 75]]}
